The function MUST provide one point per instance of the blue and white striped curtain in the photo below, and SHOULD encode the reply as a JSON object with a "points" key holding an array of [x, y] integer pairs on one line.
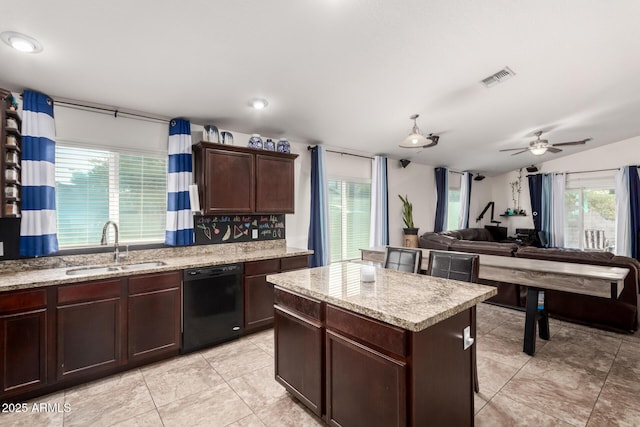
{"points": [[319, 214], [179, 217], [38, 225], [442, 192], [379, 231], [465, 200]]}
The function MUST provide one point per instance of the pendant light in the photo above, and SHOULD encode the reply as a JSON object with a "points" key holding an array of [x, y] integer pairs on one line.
{"points": [[416, 139]]}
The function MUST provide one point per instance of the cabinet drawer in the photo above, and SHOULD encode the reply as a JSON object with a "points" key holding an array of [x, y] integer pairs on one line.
{"points": [[298, 303], [22, 301], [267, 266], [154, 282], [89, 291], [370, 331], [294, 263]]}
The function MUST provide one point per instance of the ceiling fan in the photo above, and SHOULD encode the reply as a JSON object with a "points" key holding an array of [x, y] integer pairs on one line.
{"points": [[541, 146]]}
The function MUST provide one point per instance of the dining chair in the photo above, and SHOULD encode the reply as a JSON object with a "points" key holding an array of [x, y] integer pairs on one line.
{"points": [[463, 267], [403, 259]]}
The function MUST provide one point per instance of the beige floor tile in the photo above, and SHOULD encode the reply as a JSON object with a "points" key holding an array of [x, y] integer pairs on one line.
{"points": [[617, 405], [493, 375], [264, 340], [594, 360], [504, 350], [109, 401], [250, 421], [258, 388], [234, 359], [288, 412], [42, 411], [180, 381], [502, 411], [218, 406], [148, 419], [170, 364], [564, 391], [478, 402]]}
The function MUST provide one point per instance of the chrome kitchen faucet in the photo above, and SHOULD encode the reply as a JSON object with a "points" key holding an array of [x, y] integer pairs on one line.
{"points": [[103, 241]]}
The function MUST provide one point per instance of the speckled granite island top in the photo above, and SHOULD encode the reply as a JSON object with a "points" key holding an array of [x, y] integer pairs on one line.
{"points": [[48, 271], [409, 301]]}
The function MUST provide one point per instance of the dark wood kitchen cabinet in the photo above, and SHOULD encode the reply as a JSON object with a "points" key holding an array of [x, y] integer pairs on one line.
{"points": [[23, 334], [225, 180], [258, 293], [299, 355], [153, 315], [366, 371], [353, 370], [274, 184], [235, 180], [91, 324]]}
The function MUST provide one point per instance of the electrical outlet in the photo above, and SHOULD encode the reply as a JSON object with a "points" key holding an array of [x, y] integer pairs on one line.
{"points": [[1, 248], [254, 234]]}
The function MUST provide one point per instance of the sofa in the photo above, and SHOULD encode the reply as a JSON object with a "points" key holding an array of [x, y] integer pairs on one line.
{"points": [[619, 315]]}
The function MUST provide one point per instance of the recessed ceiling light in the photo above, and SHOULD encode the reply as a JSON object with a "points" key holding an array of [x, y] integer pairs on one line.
{"points": [[21, 42], [259, 103]]}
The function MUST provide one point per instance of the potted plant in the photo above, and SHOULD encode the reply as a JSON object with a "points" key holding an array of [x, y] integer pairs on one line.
{"points": [[410, 232]]}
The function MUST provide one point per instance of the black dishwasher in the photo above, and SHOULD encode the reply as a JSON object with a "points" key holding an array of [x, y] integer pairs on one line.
{"points": [[212, 306]]}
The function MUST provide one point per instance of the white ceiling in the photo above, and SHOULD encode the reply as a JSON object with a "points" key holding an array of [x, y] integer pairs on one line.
{"points": [[349, 73]]}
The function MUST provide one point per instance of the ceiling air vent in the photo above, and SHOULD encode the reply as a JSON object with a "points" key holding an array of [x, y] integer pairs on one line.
{"points": [[499, 77]]}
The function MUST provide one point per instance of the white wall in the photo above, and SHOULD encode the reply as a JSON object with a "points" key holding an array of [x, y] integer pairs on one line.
{"points": [[418, 183], [610, 156]]}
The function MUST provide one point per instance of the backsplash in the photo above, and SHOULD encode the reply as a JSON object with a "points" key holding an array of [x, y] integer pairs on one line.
{"points": [[216, 229]]}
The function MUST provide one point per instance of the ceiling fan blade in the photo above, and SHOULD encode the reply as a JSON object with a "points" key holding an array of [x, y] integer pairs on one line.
{"points": [[515, 149], [572, 142], [553, 150], [520, 152]]}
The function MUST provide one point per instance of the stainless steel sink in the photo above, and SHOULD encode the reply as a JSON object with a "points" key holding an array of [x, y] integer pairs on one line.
{"points": [[113, 268], [92, 270], [142, 265]]}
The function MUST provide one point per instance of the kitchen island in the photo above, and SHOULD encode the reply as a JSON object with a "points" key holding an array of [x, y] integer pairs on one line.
{"points": [[391, 352]]}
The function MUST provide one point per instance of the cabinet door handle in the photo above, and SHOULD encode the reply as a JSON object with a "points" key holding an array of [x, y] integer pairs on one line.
{"points": [[467, 341]]}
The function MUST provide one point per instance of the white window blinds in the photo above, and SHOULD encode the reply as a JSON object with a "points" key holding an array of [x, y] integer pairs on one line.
{"points": [[95, 185], [349, 218]]}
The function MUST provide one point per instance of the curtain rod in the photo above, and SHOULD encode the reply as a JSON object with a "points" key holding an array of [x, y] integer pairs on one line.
{"points": [[78, 105], [115, 111], [309, 147], [591, 171]]}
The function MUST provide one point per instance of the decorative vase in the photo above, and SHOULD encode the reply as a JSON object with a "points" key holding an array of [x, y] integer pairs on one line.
{"points": [[410, 237], [283, 146], [226, 138], [255, 141], [269, 145], [212, 134]]}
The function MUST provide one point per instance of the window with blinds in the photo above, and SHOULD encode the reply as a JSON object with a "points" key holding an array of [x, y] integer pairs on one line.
{"points": [[349, 218], [94, 186], [590, 211]]}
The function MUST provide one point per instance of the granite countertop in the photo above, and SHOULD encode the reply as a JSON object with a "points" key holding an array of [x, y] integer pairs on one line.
{"points": [[24, 276], [409, 301]]}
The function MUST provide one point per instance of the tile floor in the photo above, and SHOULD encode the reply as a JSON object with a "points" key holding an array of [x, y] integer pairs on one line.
{"points": [[581, 377]]}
